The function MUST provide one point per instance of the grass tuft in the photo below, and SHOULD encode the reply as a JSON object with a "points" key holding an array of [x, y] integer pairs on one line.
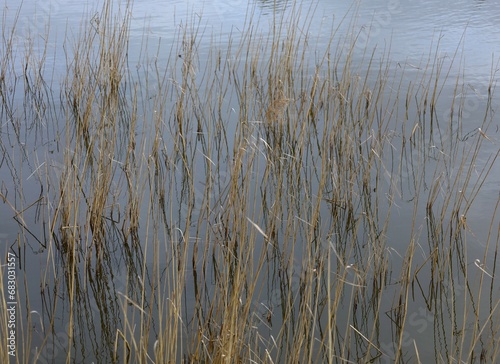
{"points": [[245, 202]]}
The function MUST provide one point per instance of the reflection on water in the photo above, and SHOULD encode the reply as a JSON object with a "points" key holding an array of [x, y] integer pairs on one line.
{"points": [[188, 196]]}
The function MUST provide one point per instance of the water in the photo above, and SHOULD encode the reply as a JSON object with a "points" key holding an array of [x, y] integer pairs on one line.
{"points": [[462, 34]]}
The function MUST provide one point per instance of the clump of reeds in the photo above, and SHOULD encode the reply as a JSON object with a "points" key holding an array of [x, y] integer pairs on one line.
{"points": [[237, 205]]}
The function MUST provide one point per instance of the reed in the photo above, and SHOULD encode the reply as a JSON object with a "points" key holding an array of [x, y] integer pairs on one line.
{"points": [[238, 203]]}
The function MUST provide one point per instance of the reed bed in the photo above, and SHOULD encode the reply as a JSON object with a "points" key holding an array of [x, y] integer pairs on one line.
{"points": [[238, 203]]}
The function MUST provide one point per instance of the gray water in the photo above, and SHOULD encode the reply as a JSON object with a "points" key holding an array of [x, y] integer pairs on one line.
{"points": [[409, 28], [464, 33]]}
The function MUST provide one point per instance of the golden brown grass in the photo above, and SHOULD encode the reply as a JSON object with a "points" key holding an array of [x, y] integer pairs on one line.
{"points": [[238, 205]]}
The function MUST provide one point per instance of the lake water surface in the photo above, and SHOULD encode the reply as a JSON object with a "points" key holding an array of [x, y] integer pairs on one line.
{"points": [[462, 36]]}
